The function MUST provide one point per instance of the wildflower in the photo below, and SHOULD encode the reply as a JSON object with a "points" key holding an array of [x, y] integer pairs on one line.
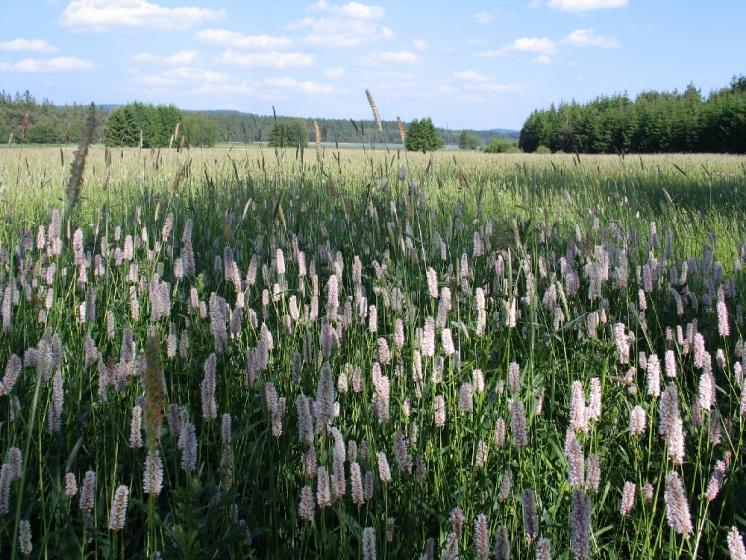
{"points": [[24, 537], [628, 498], [466, 397], [439, 407], [506, 486], [593, 472], [369, 544], [500, 432], [118, 514], [447, 342], [530, 517], [87, 492], [12, 371], [502, 544], [578, 414], [356, 484], [432, 283], [71, 485], [152, 481], [580, 525], [735, 545], [677, 506], [136, 428], [637, 421], [323, 496], [482, 537], [384, 473], [575, 460], [518, 423], [306, 506], [716, 481]]}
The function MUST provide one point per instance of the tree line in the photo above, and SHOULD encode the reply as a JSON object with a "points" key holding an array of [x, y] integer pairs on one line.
{"points": [[41, 122], [653, 122]]}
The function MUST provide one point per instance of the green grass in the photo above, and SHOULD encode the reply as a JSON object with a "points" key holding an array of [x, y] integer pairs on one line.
{"points": [[528, 211]]}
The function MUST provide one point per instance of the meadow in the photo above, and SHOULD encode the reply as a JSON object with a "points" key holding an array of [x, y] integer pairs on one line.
{"points": [[259, 353]]}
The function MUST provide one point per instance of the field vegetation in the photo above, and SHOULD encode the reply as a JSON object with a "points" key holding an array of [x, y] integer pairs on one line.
{"points": [[281, 353]]}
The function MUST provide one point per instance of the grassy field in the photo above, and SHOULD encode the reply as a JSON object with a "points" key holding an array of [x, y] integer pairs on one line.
{"points": [[240, 353]]}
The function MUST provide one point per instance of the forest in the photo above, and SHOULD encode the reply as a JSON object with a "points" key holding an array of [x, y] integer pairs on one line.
{"points": [[120, 125], [654, 122]]}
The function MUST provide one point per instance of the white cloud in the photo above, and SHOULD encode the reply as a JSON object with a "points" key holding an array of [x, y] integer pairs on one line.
{"points": [[32, 45], [267, 59], [483, 17], [534, 45], [471, 82], [542, 59], [585, 5], [472, 76], [233, 39], [539, 45], [587, 38], [58, 64], [345, 25], [419, 44], [305, 87], [352, 9], [98, 15], [184, 74], [179, 58], [335, 72], [396, 57]]}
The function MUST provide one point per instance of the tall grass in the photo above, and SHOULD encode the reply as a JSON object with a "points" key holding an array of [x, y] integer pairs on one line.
{"points": [[458, 342]]}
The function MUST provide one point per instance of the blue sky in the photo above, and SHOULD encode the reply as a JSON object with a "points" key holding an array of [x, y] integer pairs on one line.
{"points": [[473, 64]]}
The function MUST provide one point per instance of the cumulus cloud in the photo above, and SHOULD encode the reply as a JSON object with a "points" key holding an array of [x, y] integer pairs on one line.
{"points": [[292, 85], [267, 59], [345, 25], [179, 58], [396, 57], [587, 38], [585, 5], [351, 9], [99, 15], [419, 44], [233, 39], [539, 45], [31, 45], [58, 64], [470, 83]]}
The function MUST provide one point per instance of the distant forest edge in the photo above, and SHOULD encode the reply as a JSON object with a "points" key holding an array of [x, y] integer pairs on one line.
{"points": [[654, 122], [53, 124]]}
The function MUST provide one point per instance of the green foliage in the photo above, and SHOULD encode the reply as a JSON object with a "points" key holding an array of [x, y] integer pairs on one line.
{"points": [[289, 133], [542, 149], [156, 123], [199, 129], [422, 137], [467, 141], [500, 146], [48, 124], [653, 122]]}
